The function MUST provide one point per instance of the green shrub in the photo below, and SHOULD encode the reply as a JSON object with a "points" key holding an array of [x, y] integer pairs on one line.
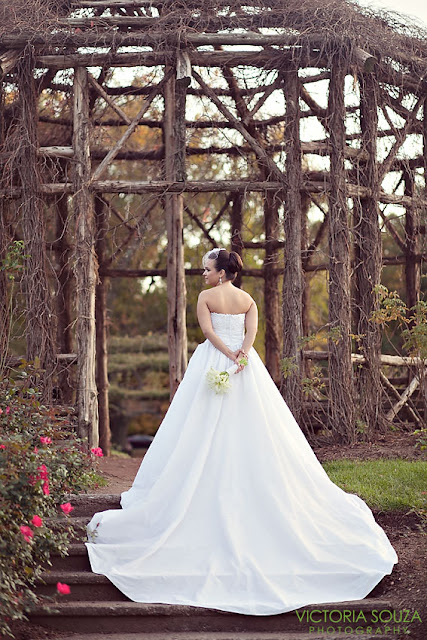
{"points": [[41, 463]]}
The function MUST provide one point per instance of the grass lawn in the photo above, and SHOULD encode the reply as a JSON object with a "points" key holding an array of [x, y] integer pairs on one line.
{"points": [[388, 484]]}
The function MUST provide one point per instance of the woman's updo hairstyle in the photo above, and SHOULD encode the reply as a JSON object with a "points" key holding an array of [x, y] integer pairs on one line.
{"points": [[231, 262]]}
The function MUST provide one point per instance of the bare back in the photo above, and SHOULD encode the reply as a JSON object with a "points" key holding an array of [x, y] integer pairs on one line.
{"points": [[227, 299]]}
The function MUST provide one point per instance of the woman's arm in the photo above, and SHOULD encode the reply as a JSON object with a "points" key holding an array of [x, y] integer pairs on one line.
{"points": [[205, 322], [251, 324]]}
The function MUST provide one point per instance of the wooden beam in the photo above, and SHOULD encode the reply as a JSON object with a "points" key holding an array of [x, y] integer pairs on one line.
{"points": [[101, 91], [104, 4], [357, 358], [257, 148], [264, 59], [157, 124], [67, 37], [366, 61], [415, 128], [213, 186], [56, 152], [316, 147], [131, 128], [387, 384], [8, 60], [149, 273], [413, 385], [255, 273], [401, 135], [200, 225], [136, 90], [264, 96]]}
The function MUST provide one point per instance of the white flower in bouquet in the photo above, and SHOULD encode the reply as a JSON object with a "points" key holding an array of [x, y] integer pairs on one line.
{"points": [[219, 381]]}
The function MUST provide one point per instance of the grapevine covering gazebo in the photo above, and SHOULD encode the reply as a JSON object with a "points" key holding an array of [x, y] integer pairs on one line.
{"points": [[358, 76]]}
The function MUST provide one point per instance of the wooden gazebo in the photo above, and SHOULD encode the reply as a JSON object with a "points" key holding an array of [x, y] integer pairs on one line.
{"points": [[307, 56]]}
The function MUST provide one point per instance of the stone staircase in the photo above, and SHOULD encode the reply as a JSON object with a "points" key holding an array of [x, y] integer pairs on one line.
{"points": [[95, 608]]}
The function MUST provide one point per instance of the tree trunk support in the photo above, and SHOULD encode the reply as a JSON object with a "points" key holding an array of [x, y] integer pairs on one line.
{"points": [[101, 212], [40, 332], [341, 408], [292, 274], [174, 94], [367, 271], [64, 299], [85, 265]]}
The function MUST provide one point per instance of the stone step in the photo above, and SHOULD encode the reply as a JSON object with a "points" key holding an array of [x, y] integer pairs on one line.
{"points": [[133, 617], [85, 586], [76, 560], [87, 504], [76, 526]]}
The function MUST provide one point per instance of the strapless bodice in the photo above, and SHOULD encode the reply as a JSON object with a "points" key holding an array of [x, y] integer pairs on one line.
{"points": [[229, 327]]}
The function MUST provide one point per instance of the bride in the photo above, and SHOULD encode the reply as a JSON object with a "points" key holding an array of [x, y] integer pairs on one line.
{"points": [[230, 508]]}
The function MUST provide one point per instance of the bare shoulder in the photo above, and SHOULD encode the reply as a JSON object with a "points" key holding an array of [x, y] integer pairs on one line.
{"points": [[203, 295], [207, 295], [249, 300]]}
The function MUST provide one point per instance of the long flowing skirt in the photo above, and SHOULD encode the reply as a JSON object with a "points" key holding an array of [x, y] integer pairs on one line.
{"points": [[232, 510]]}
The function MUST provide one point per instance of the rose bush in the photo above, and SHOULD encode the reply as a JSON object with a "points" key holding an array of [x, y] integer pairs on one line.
{"points": [[41, 463]]}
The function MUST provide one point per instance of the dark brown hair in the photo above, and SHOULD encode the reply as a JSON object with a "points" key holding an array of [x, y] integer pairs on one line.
{"points": [[231, 262]]}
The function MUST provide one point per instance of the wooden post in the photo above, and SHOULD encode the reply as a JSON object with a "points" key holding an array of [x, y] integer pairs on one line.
{"points": [[174, 206], [341, 408], [292, 275], [423, 375], [271, 222], [85, 264], [102, 383], [305, 205], [367, 272], [272, 310], [40, 334], [412, 266], [4, 243], [64, 298], [5, 296], [236, 221]]}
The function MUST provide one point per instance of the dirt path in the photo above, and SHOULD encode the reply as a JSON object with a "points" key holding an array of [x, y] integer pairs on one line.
{"points": [[118, 472]]}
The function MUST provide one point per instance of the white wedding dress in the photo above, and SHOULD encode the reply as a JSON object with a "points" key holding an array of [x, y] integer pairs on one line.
{"points": [[232, 510]]}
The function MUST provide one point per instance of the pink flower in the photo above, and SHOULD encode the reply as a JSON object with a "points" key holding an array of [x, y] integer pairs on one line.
{"points": [[2, 446], [45, 487], [66, 508], [97, 452], [37, 521], [36, 450], [63, 588], [45, 440], [26, 532], [1, 411], [7, 410], [43, 475]]}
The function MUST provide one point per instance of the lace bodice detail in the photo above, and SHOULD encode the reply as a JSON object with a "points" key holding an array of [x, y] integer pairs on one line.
{"points": [[229, 327]]}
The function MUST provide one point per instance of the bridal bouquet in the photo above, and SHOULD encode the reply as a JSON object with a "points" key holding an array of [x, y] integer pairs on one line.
{"points": [[219, 381]]}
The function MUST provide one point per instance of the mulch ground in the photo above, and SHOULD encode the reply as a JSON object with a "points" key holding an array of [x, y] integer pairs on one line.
{"points": [[405, 587]]}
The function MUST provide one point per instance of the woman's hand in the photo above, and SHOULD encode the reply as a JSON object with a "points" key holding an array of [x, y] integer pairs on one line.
{"points": [[239, 355]]}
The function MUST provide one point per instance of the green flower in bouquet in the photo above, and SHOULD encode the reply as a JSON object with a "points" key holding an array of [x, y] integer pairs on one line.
{"points": [[219, 381]]}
